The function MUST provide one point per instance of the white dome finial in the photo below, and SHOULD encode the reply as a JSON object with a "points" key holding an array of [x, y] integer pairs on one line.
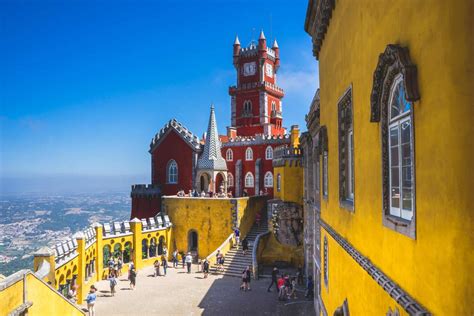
{"points": [[275, 44], [236, 42], [262, 36]]}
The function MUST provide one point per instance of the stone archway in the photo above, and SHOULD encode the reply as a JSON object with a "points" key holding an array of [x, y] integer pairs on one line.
{"points": [[204, 182]]}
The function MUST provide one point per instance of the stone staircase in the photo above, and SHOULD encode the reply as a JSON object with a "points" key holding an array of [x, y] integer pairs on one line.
{"points": [[235, 261]]}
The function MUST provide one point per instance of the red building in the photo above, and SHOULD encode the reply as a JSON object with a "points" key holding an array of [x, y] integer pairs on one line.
{"points": [[241, 162]]}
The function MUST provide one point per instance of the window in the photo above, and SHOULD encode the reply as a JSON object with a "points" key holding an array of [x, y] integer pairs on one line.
{"points": [[269, 153], [249, 154], [279, 182], [268, 180], [172, 172], [249, 180], [273, 106], [247, 109], [400, 144], [394, 89], [346, 151], [325, 174], [230, 180], [229, 155]]}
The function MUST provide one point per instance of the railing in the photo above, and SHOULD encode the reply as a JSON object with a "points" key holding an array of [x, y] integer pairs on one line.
{"points": [[276, 114], [287, 152], [255, 254], [224, 248]]}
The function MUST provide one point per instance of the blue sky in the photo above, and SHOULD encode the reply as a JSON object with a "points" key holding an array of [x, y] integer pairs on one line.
{"points": [[84, 85]]}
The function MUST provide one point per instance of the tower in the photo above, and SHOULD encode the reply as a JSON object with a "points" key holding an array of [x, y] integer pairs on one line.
{"points": [[256, 104]]}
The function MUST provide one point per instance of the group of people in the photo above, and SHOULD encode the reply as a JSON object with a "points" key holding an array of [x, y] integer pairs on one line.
{"points": [[246, 277], [220, 260], [115, 265], [286, 285], [163, 262]]}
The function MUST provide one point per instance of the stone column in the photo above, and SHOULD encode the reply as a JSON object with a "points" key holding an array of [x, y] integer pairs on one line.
{"points": [[99, 260], [136, 228], [81, 265], [45, 254]]}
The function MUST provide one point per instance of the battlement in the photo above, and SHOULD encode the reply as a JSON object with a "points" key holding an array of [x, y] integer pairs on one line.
{"points": [[290, 154], [145, 190], [256, 85], [182, 131], [258, 139]]}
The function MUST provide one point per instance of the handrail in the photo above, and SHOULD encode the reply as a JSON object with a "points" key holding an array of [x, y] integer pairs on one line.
{"points": [[226, 241], [255, 252]]}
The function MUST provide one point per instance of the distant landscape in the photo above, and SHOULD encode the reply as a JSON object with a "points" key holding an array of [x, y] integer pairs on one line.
{"points": [[30, 221]]}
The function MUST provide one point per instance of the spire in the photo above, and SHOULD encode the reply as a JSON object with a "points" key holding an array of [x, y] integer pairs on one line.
{"points": [[262, 36], [275, 44], [236, 42], [211, 157]]}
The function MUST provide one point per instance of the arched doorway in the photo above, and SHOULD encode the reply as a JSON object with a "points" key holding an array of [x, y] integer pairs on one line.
{"points": [[205, 181], [161, 244], [193, 243], [220, 182]]}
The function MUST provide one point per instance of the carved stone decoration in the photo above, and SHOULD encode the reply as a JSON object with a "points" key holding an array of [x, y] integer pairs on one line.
{"points": [[318, 15], [287, 221], [394, 60], [344, 122], [323, 139]]}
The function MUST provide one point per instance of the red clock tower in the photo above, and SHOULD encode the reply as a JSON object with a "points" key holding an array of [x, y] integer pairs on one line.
{"points": [[256, 106]]}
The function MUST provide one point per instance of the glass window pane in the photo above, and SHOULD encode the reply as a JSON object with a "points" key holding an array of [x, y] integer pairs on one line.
{"points": [[407, 199], [395, 177], [394, 156], [395, 106], [406, 131], [394, 136], [395, 201]]}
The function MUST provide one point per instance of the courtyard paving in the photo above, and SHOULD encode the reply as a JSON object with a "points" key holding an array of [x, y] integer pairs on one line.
{"points": [[180, 293]]}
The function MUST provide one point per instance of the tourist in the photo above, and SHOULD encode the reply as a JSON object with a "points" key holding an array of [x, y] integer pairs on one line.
{"points": [[245, 246], [274, 279], [203, 194], [156, 265], [111, 264], [183, 258], [237, 237], [113, 283], [116, 267], [175, 258], [245, 193], [221, 262], [133, 278], [164, 263], [299, 275], [119, 266], [90, 299], [281, 288], [72, 294], [165, 251], [199, 265], [189, 261], [243, 286], [205, 268], [292, 288], [218, 255], [248, 273], [287, 285], [310, 288], [130, 266]]}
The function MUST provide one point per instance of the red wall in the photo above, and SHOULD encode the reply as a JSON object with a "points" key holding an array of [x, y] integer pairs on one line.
{"points": [[145, 207], [173, 147]]}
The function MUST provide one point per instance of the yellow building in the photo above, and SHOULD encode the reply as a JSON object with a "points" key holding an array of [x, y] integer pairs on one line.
{"points": [[387, 157]]}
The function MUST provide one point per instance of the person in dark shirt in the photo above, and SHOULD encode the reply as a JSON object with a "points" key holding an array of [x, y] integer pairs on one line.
{"points": [[310, 287], [275, 273]]}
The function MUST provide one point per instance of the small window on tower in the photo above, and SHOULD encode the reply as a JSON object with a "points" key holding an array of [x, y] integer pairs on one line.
{"points": [[247, 110], [249, 154], [229, 155], [269, 153]]}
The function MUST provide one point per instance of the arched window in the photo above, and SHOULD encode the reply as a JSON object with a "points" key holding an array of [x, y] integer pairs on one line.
{"points": [[279, 182], [268, 180], [249, 154], [172, 171], [144, 248], [273, 106], [229, 155], [249, 180], [247, 110], [106, 255], [230, 180], [269, 153], [400, 144]]}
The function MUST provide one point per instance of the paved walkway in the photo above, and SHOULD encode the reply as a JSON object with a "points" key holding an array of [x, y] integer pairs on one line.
{"points": [[180, 293]]}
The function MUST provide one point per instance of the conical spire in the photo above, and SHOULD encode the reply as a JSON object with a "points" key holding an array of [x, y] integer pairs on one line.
{"points": [[275, 44], [211, 157], [236, 42], [262, 36]]}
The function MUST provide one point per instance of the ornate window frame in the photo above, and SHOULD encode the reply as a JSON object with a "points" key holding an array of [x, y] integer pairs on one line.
{"points": [[279, 183], [249, 180], [269, 153], [325, 162], [248, 154], [394, 63], [229, 155], [326, 261], [172, 177], [346, 150], [230, 180], [268, 180]]}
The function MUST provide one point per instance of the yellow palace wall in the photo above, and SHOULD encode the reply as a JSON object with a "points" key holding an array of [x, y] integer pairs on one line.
{"points": [[291, 189], [436, 267]]}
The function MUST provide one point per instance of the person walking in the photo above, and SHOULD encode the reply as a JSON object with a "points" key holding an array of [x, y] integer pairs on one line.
{"points": [[275, 273], [245, 246], [189, 261], [248, 273], [292, 288], [237, 237], [164, 263], [299, 275], [90, 299], [156, 265], [120, 266], [133, 278], [310, 288], [113, 283], [175, 258], [183, 258], [205, 268], [281, 288]]}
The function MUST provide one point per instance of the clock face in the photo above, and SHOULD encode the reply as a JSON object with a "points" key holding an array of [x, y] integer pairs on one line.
{"points": [[269, 70], [250, 68]]}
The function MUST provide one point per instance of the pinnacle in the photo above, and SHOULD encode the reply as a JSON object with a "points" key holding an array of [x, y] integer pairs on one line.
{"points": [[262, 36], [275, 44], [236, 42]]}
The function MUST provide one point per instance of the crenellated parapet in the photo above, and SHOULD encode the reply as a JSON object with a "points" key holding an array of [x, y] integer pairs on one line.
{"points": [[287, 156], [145, 190], [259, 139]]}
